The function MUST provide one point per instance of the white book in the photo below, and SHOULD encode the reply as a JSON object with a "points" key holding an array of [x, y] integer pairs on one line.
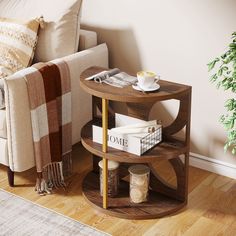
{"points": [[135, 143]]}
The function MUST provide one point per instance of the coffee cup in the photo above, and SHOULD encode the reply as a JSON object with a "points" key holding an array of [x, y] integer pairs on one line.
{"points": [[147, 79]]}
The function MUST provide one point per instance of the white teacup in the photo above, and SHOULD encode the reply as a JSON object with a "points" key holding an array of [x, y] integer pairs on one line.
{"points": [[147, 79]]}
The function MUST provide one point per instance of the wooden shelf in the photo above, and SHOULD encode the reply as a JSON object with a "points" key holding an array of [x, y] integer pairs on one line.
{"points": [[168, 90], [164, 150], [157, 205], [164, 199]]}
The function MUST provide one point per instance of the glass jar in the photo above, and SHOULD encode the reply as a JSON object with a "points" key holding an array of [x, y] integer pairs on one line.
{"points": [[139, 183], [113, 178]]}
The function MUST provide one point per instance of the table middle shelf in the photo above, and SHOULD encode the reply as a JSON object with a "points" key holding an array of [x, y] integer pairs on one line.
{"points": [[167, 149]]}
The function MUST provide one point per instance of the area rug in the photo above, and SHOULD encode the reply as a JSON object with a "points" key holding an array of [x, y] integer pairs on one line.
{"points": [[22, 217]]}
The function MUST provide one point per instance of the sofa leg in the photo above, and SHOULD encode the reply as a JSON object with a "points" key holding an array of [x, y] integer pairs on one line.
{"points": [[10, 175]]}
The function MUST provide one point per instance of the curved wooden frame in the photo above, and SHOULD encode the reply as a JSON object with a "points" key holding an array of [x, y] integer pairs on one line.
{"points": [[139, 105]]}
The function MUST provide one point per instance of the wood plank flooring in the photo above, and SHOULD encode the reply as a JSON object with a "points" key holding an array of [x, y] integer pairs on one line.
{"points": [[211, 209]]}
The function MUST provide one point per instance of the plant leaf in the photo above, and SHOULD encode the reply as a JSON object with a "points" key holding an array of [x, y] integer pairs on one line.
{"points": [[211, 65]]}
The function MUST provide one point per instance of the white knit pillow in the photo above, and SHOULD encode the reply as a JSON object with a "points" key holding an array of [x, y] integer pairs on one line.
{"points": [[17, 44]]}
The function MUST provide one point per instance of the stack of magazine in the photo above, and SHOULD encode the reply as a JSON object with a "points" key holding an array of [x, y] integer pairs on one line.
{"points": [[114, 78]]}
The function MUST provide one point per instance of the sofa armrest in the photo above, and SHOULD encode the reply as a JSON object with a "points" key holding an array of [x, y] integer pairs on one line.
{"points": [[87, 39], [19, 131], [20, 141]]}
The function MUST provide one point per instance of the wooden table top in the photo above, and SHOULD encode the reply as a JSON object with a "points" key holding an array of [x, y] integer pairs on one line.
{"points": [[168, 90]]}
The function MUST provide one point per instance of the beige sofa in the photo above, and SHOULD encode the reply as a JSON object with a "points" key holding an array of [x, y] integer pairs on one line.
{"points": [[16, 143]]}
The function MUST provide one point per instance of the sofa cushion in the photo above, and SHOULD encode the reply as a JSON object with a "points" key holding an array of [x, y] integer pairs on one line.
{"points": [[60, 37], [17, 44], [3, 124], [4, 152]]}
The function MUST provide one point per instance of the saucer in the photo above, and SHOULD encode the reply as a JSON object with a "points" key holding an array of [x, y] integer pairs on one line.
{"points": [[150, 89]]}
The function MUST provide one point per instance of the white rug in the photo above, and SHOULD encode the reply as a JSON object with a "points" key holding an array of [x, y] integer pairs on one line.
{"points": [[22, 217]]}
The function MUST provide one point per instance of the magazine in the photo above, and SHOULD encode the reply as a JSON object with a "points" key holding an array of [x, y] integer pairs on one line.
{"points": [[114, 77]]}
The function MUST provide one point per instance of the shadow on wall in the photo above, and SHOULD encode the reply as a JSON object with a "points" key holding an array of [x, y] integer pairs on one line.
{"points": [[123, 49], [124, 54]]}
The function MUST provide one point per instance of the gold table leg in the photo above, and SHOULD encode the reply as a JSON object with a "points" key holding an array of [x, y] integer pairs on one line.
{"points": [[104, 149]]}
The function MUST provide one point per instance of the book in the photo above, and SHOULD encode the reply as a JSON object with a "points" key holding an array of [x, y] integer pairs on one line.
{"points": [[114, 77]]}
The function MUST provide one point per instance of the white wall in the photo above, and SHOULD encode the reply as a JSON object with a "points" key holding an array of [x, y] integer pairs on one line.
{"points": [[176, 39]]}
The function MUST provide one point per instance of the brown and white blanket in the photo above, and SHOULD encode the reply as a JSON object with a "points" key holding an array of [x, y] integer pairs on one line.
{"points": [[49, 92]]}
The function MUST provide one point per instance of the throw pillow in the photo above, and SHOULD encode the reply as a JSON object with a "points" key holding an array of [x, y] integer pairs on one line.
{"points": [[60, 37], [17, 44]]}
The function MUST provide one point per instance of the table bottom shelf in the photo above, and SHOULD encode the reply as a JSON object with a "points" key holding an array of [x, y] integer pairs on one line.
{"points": [[157, 205]]}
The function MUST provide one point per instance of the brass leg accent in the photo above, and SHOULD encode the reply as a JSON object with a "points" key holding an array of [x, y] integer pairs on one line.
{"points": [[104, 149]]}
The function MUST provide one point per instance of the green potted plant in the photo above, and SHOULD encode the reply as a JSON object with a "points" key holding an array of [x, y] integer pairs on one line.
{"points": [[224, 75]]}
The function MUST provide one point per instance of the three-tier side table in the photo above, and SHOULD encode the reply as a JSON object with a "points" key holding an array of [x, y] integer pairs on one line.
{"points": [[164, 199]]}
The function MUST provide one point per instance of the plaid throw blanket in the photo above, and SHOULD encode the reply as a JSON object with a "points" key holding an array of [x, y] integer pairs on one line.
{"points": [[50, 104]]}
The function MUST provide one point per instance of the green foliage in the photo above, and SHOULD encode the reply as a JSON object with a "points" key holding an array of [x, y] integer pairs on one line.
{"points": [[224, 76]]}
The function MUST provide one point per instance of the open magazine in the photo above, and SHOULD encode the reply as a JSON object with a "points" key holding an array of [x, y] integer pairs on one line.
{"points": [[114, 77]]}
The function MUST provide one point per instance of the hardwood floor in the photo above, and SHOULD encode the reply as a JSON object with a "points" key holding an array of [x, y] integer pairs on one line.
{"points": [[211, 209]]}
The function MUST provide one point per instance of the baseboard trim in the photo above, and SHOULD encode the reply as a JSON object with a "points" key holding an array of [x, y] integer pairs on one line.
{"points": [[212, 165]]}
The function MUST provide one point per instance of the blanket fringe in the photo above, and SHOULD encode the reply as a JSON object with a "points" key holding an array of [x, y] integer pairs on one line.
{"points": [[41, 187], [53, 175]]}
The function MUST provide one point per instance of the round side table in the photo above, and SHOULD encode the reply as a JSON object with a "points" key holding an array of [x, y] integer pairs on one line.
{"points": [[164, 198]]}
